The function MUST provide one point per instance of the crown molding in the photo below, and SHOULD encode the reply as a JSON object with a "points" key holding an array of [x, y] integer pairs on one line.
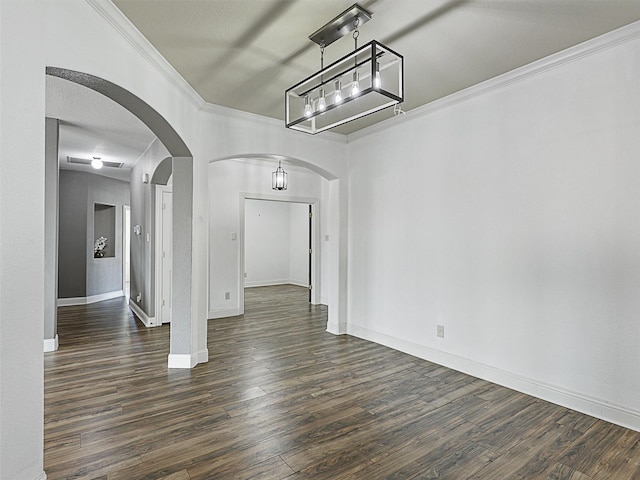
{"points": [[589, 47], [238, 114], [254, 117], [121, 24], [127, 30]]}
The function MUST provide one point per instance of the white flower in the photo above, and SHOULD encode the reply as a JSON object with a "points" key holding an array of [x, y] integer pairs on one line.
{"points": [[100, 244]]}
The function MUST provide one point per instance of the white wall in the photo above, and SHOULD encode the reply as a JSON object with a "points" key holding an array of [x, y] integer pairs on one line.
{"points": [[266, 243], [21, 240], [229, 180], [513, 219], [238, 135], [276, 243], [142, 213]]}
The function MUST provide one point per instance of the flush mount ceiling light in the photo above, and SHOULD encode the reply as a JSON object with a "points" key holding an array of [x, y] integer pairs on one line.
{"points": [[279, 178], [86, 161], [96, 163], [365, 81]]}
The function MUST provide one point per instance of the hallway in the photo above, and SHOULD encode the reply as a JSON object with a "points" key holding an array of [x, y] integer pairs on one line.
{"points": [[282, 398]]}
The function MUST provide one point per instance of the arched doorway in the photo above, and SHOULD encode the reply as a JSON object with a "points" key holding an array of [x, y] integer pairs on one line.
{"points": [[227, 232], [182, 354]]}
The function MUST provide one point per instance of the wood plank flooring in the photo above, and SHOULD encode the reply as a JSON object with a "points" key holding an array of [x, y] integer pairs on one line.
{"points": [[281, 398]]}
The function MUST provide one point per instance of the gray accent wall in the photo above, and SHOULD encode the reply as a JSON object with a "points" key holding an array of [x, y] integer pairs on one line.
{"points": [[72, 234], [105, 274], [80, 274]]}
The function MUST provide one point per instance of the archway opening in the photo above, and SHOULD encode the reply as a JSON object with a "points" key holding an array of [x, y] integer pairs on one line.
{"points": [[238, 179], [181, 160]]}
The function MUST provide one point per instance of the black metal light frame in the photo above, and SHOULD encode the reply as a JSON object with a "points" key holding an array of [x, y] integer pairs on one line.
{"points": [[362, 60], [308, 107]]}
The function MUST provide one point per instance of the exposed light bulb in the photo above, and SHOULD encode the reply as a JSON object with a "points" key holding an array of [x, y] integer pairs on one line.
{"points": [[96, 163], [322, 102], [307, 107], [338, 95], [355, 86], [377, 81]]}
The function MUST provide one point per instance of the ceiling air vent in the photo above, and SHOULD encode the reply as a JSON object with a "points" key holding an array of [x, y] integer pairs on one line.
{"points": [[84, 161]]}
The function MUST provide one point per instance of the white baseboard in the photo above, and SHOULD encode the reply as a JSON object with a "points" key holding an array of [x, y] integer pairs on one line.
{"points": [[265, 283], [203, 356], [181, 360], [337, 329], [177, 360], [271, 283], [184, 360], [51, 344], [67, 302], [595, 407], [223, 313], [144, 318], [39, 476]]}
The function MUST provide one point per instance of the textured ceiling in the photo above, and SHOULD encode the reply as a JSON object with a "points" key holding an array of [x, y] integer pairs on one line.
{"points": [[94, 125], [243, 54]]}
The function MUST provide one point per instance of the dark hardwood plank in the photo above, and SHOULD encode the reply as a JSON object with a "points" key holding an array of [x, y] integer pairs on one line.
{"points": [[282, 398]]}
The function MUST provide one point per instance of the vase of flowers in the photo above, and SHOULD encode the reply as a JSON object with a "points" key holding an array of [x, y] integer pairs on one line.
{"points": [[99, 247]]}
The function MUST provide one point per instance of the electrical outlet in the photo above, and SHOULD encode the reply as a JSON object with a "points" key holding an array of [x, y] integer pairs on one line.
{"points": [[139, 297], [440, 331], [227, 295]]}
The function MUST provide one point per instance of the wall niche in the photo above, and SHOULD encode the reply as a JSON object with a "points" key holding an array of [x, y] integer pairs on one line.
{"points": [[104, 227]]}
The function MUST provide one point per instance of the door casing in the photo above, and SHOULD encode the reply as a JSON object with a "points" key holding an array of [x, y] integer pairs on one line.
{"points": [[315, 242]]}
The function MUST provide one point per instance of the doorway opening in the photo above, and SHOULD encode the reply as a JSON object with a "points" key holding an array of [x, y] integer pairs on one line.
{"points": [[278, 239]]}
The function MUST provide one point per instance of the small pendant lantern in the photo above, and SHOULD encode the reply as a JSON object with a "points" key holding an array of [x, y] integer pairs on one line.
{"points": [[279, 178]]}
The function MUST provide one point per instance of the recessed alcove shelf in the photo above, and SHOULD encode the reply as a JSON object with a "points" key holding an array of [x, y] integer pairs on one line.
{"points": [[104, 225]]}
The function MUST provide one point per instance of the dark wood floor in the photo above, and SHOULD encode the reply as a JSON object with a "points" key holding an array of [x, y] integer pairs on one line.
{"points": [[281, 398]]}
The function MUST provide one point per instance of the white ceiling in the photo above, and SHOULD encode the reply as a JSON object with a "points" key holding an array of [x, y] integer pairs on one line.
{"points": [[92, 125], [244, 54]]}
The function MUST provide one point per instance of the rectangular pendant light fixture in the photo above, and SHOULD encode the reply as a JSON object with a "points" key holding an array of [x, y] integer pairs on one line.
{"points": [[365, 81]]}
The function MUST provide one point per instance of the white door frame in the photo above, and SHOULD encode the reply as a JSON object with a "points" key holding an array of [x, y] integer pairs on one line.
{"points": [[126, 246], [160, 190], [315, 241]]}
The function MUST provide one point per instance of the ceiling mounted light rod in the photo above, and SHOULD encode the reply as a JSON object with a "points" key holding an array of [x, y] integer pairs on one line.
{"points": [[363, 82], [341, 25], [322, 102], [331, 80]]}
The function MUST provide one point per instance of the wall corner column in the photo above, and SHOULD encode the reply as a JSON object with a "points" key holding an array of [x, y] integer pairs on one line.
{"points": [[185, 351], [51, 205], [338, 311]]}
